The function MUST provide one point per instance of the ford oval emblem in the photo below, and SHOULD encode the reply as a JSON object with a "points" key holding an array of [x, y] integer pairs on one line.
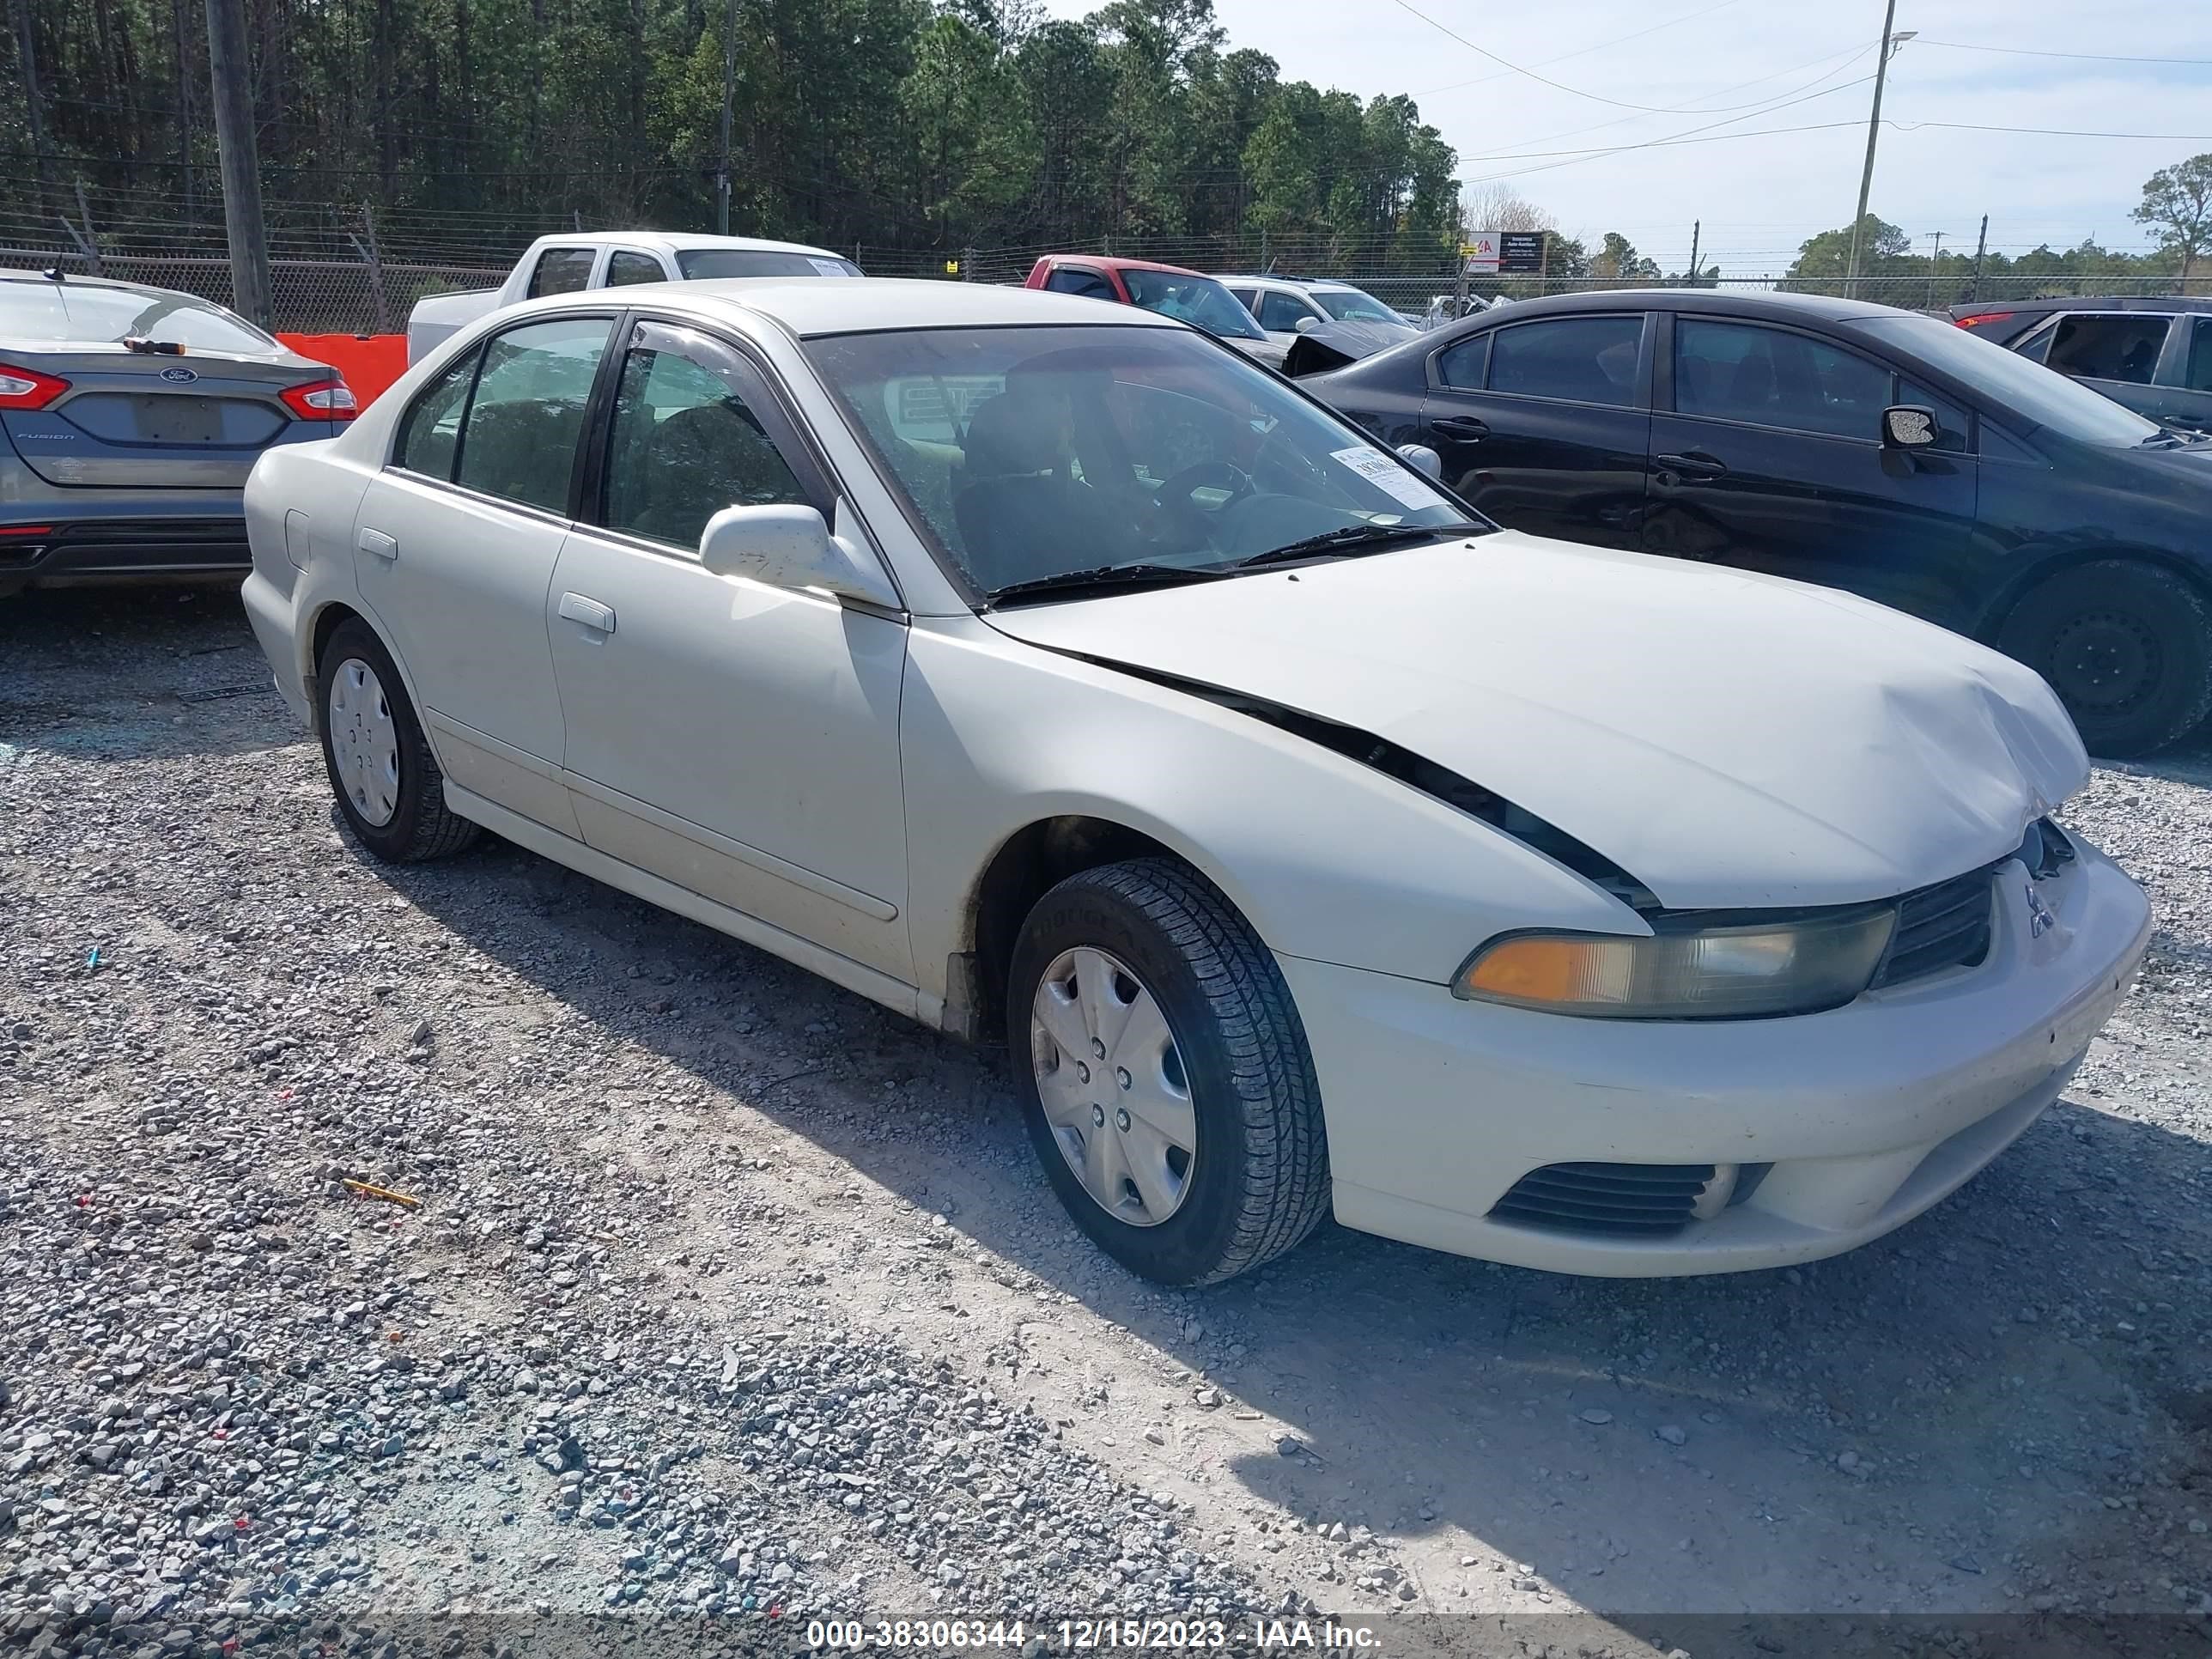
{"points": [[179, 376]]}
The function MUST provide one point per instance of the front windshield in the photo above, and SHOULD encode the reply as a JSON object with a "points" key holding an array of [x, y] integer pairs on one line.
{"points": [[701, 265], [1349, 305], [1192, 298], [2015, 384], [1039, 453]]}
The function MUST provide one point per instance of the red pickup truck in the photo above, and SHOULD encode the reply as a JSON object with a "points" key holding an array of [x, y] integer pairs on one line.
{"points": [[1190, 296]]}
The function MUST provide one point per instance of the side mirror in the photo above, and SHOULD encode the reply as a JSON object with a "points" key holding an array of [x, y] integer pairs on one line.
{"points": [[1306, 322], [789, 546], [1908, 426], [1423, 460]]}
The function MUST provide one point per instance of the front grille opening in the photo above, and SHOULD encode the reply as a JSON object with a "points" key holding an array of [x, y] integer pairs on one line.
{"points": [[1620, 1199], [1945, 925]]}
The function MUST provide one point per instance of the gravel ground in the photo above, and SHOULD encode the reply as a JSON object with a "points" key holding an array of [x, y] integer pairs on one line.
{"points": [[725, 1298]]}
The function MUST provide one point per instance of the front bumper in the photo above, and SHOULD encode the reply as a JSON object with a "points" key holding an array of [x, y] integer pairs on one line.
{"points": [[1836, 1127]]}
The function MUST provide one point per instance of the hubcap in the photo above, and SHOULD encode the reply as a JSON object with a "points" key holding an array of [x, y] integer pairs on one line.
{"points": [[1126, 1126], [2102, 661], [364, 742]]}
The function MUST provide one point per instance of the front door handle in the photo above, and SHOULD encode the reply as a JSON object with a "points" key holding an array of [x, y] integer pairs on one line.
{"points": [[1465, 427], [1691, 463], [375, 541], [599, 618]]}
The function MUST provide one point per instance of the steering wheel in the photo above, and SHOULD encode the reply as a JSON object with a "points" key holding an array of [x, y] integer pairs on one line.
{"points": [[1175, 494]]}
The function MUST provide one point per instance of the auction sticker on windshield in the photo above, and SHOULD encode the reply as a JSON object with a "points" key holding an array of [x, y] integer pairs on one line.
{"points": [[1388, 476]]}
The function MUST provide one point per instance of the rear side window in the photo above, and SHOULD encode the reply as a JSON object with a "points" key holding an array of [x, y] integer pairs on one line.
{"points": [[2116, 345], [1088, 283], [625, 268], [1462, 365], [561, 271], [519, 440], [430, 431], [1588, 360]]}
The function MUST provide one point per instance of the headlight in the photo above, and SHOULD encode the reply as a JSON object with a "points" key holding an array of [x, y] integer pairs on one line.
{"points": [[1708, 973]]}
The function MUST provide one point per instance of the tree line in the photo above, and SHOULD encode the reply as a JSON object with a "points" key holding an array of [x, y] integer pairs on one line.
{"points": [[922, 124]]}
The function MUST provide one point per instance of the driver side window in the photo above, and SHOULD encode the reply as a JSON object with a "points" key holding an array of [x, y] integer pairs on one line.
{"points": [[1279, 312], [685, 443]]}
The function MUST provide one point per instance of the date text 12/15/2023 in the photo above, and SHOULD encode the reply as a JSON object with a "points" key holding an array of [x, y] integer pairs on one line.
{"points": [[938, 1636]]}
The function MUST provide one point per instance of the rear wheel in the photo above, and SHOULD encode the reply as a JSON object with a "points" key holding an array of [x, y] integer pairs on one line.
{"points": [[1168, 1087], [2128, 648], [387, 781]]}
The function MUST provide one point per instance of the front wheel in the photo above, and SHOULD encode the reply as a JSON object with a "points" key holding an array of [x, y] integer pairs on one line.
{"points": [[2127, 646], [1165, 1077]]}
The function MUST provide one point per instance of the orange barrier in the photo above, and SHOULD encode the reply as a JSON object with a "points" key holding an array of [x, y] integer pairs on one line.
{"points": [[369, 362]]}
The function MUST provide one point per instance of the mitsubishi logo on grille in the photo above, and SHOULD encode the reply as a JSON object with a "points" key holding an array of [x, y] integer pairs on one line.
{"points": [[2039, 918]]}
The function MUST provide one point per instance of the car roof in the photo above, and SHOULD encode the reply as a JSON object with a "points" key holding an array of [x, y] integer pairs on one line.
{"points": [[2099, 302], [839, 305], [1111, 262], [1302, 284], [665, 242], [1742, 302]]}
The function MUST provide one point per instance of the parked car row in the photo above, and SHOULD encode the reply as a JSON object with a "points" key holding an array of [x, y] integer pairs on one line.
{"points": [[1851, 445], [1055, 673]]}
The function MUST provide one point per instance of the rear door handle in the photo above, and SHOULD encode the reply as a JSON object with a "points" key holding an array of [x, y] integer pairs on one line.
{"points": [[375, 541], [1465, 427], [1691, 464], [599, 618]]}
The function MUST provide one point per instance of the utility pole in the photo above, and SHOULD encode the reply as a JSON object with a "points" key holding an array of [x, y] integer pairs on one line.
{"points": [[1981, 246], [241, 168], [1891, 42], [1696, 228], [1935, 264], [729, 101]]}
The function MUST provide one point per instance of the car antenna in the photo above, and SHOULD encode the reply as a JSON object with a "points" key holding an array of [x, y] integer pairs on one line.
{"points": [[53, 273]]}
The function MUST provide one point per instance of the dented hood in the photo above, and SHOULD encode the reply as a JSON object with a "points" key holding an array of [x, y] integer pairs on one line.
{"points": [[1728, 738]]}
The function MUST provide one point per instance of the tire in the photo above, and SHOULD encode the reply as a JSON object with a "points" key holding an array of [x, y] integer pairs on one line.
{"points": [[1254, 1181], [401, 815], [2127, 646]]}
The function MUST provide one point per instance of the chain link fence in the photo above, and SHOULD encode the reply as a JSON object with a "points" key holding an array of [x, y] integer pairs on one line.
{"points": [[313, 296], [330, 293]]}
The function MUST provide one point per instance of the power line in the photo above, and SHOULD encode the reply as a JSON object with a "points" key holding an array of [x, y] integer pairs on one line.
{"points": [[1561, 85], [1580, 52], [2091, 56], [2052, 133]]}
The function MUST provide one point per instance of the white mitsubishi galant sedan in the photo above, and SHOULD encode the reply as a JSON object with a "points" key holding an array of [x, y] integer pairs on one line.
{"points": [[1038, 667]]}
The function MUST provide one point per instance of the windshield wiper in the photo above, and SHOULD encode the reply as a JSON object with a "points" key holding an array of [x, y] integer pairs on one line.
{"points": [[1355, 536], [1105, 575]]}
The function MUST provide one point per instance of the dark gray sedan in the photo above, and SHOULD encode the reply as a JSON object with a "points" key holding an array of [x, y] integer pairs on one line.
{"points": [[131, 418]]}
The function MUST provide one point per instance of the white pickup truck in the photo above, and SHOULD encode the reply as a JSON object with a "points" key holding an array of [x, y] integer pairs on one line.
{"points": [[565, 265]]}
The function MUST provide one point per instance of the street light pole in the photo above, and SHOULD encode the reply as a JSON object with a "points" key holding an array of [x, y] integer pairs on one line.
{"points": [[1891, 40]]}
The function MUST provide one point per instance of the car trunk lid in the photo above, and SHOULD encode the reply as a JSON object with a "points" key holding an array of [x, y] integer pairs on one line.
{"points": [[152, 420]]}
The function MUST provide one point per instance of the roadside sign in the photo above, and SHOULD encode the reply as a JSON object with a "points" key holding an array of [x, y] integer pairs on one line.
{"points": [[1480, 252], [1521, 252]]}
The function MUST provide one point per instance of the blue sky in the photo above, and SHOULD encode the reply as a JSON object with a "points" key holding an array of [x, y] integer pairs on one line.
{"points": [[1701, 61]]}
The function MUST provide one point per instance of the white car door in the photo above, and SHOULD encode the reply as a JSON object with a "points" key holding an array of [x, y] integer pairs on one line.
{"points": [[454, 548], [738, 740]]}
